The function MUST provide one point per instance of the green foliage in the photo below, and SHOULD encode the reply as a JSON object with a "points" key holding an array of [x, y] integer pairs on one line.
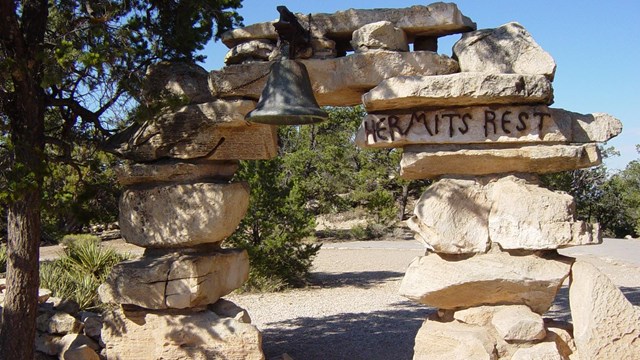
{"points": [[3, 258], [78, 273], [274, 228]]}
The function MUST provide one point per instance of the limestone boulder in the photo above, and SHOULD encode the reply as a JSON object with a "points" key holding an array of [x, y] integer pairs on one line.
{"points": [[461, 89], [507, 49], [181, 215], [453, 340], [176, 280], [605, 324], [175, 171], [250, 51], [215, 130], [59, 323], [517, 323], [78, 347], [541, 351], [451, 217], [433, 161], [379, 35], [179, 334], [437, 19], [453, 282], [583, 128], [336, 82], [186, 81], [479, 315]]}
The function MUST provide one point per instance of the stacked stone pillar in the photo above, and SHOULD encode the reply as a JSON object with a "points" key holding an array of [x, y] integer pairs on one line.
{"points": [[180, 205]]}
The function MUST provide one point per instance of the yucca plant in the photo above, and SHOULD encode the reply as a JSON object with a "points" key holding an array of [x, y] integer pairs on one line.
{"points": [[3, 258]]}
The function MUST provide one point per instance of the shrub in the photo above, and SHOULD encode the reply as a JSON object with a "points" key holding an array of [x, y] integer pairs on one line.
{"points": [[78, 273], [3, 258]]}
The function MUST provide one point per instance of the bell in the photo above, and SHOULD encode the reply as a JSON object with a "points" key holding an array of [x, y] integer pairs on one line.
{"points": [[287, 99]]}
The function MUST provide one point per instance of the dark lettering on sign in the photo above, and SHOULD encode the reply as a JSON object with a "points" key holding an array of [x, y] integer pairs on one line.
{"points": [[437, 124], [521, 118], [541, 115], [465, 117], [504, 121], [370, 130], [380, 128], [489, 118], [423, 119], [451, 117], [393, 124]]}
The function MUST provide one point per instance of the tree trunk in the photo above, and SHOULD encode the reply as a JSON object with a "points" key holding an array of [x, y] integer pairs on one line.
{"points": [[403, 201]]}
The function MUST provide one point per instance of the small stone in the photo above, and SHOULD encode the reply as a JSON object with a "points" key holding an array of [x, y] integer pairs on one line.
{"points": [[68, 306], [461, 89], [180, 215], [323, 48], [82, 352], [179, 79], [178, 334], [541, 351], [58, 323], [453, 282], [453, 340], [379, 35], [48, 344], [175, 171], [506, 49], [93, 327], [176, 280], [605, 324], [226, 308], [518, 323], [479, 315], [43, 295], [433, 161], [72, 342], [336, 82], [253, 50]]}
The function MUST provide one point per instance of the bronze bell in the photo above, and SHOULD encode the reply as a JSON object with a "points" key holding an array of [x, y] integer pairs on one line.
{"points": [[287, 99]]}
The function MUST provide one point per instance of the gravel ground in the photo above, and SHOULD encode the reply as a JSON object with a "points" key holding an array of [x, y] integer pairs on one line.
{"points": [[352, 310]]}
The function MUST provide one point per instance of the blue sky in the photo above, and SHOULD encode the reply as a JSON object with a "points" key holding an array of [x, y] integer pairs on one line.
{"points": [[595, 44]]}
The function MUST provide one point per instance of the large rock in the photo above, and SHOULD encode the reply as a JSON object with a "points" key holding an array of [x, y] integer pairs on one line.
{"points": [[605, 324], [506, 49], [452, 282], [58, 323], [459, 215], [517, 323], [215, 130], [176, 280], [181, 215], [176, 79], [254, 50], [445, 341], [432, 161], [336, 82], [175, 171], [178, 334], [461, 89], [541, 351], [581, 128], [437, 19], [381, 35]]}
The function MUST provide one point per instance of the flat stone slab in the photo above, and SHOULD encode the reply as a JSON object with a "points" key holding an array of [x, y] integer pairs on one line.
{"points": [[437, 19], [461, 89], [215, 130], [486, 279], [176, 280], [433, 161], [175, 171], [583, 128], [452, 340], [336, 82], [182, 215], [507, 49], [178, 334]]}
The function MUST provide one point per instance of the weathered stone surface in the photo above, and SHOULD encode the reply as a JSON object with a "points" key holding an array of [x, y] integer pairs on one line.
{"points": [[228, 309], [479, 315], [506, 49], [336, 82], [175, 171], [459, 215], [82, 352], [486, 279], [254, 50], [93, 327], [461, 89], [481, 124], [48, 344], [432, 161], [561, 334], [605, 324], [176, 280], [323, 48], [517, 323], [59, 323], [451, 217], [581, 128], [215, 130], [437, 19], [73, 347], [541, 351], [379, 35], [181, 215], [453, 340], [43, 295], [179, 79], [179, 334]]}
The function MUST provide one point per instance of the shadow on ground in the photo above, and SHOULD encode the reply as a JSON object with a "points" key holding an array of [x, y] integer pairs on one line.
{"points": [[561, 310], [360, 279], [376, 335]]}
